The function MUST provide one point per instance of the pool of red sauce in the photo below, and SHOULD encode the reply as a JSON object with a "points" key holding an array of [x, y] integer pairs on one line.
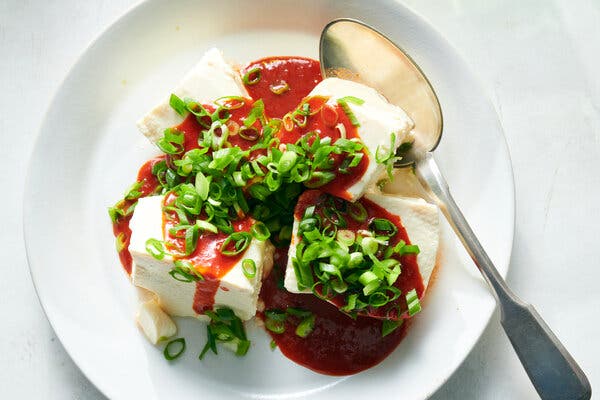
{"points": [[338, 344], [301, 75], [206, 258], [121, 226]]}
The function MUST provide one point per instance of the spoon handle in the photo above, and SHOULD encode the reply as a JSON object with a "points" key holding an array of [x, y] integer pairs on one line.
{"points": [[550, 367]]}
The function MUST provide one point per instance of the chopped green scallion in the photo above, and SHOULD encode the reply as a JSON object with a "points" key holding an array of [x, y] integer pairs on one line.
{"points": [[174, 349], [390, 325], [252, 76], [155, 248], [306, 326], [249, 268], [177, 104], [413, 303]]}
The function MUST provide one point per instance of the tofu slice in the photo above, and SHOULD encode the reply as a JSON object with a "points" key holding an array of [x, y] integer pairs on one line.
{"points": [[154, 322], [235, 290], [421, 221], [378, 120], [208, 80], [419, 218]]}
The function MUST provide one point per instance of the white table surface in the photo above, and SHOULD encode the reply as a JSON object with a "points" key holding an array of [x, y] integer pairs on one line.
{"points": [[538, 59]]}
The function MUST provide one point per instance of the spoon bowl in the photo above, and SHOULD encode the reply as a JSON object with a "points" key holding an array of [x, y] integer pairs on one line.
{"points": [[346, 51]]}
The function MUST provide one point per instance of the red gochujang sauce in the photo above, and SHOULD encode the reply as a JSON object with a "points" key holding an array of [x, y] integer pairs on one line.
{"points": [[206, 258], [298, 74]]}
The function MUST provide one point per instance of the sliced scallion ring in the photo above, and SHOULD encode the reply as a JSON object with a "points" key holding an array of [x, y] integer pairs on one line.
{"points": [[249, 133], [155, 248], [409, 249], [236, 243], [183, 271], [287, 161], [279, 88], [249, 268], [177, 104], [390, 325], [378, 299], [260, 231], [191, 239], [357, 211], [252, 76], [174, 349], [202, 184], [274, 325], [348, 111], [306, 326], [383, 226], [413, 303], [230, 102], [369, 245], [206, 226]]}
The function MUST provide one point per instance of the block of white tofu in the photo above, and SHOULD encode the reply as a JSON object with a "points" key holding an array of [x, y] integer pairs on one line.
{"points": [[208, 80], [235, 290], [419, 218], [378, 120]]}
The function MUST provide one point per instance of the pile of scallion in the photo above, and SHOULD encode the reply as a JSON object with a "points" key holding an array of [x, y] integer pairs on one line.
{"points": [[359, 265]]}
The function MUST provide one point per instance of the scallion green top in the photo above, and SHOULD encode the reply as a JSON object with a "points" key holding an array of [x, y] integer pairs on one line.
{"points": [[360, 265]]}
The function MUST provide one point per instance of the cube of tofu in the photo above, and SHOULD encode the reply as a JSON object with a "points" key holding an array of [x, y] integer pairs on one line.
{"points": [[208, 80], [154, 322], [378, 120], [419, 218], [235, 290]]}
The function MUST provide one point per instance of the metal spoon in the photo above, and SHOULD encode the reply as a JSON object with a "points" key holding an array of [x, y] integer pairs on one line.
{"points": [[353, 50]]}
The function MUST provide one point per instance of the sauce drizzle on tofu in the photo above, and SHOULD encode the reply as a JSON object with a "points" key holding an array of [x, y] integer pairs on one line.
{"points": [[328, 120], [206, 258]]}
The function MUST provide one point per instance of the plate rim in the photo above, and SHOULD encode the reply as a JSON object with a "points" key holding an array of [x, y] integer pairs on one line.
{"points": [[130, 10]]}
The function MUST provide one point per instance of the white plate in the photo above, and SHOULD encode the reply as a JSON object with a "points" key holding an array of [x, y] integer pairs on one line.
{"points": [[88, 151]]}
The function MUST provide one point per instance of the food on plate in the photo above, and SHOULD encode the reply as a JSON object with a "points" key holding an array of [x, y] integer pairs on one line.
{"points": [[219, 279], [210, 79], [358, 256], [264, 202], [355, 112]]}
